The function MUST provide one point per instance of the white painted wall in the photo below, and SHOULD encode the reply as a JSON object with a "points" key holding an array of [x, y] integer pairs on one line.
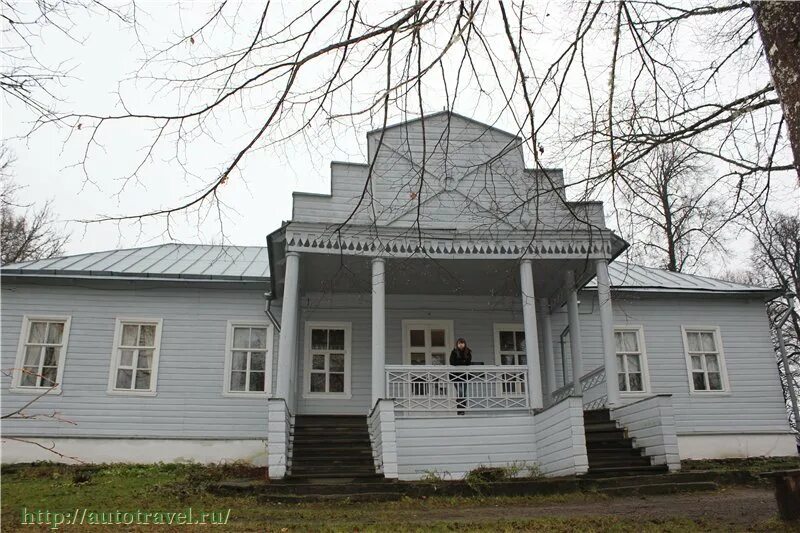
{"points": [[561, 439], [651, 423], [727, 446]]}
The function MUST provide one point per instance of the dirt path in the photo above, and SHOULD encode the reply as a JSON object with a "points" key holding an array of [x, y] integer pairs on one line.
{"points": [[736, 507]]}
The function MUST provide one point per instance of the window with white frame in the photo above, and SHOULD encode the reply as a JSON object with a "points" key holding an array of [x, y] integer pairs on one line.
{"points": [[631, 360], [704, 359], [509, 344], [135, 359], [427, 342], [41, 353], [327, 361], [248, 363]]}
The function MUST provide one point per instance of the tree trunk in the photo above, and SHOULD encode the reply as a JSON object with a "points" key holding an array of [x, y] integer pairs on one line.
{"points": [[779, 26]]}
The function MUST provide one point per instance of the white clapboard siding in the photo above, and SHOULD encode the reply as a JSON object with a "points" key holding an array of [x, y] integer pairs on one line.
{"points": [[450, 447], [560, 439], [189, 401]]}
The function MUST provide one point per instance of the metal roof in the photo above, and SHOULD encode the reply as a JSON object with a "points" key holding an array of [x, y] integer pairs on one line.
{"points": [[164, 261], [639, 278]]}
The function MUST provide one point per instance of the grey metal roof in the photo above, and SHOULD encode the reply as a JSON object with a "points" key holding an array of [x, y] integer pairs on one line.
{"points": [[164, 261], [639, 278]]}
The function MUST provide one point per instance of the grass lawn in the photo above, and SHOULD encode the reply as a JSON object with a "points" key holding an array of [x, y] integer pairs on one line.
{"points": [[174, 488]]}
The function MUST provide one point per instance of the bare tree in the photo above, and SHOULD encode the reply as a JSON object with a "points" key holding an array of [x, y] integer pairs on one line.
{"points": [[667, 200], [30, 235]]}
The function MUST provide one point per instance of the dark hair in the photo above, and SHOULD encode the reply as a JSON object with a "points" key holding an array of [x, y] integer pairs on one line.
{"points": [[461, 339]]}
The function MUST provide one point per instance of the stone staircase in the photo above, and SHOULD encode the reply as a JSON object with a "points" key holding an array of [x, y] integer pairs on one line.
{"points": [[610, 451]]}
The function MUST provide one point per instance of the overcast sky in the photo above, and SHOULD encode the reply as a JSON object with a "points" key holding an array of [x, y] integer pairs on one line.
{"points": [[257, 202]]}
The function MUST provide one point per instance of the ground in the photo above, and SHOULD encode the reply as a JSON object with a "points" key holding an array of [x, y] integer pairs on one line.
{"points": [[174, 488]]}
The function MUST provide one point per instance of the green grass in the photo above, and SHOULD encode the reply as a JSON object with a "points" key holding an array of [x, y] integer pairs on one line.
{"points": [[174, 487]]}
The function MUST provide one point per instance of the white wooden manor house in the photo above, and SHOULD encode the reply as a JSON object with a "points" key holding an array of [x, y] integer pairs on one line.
{"points": [[327, 352]]}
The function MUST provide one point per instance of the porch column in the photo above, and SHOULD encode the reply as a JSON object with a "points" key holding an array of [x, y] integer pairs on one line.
{"points": [[607, 329], [378, 329], [576, 349], [531, 335], [287, 345], [547, 341]]}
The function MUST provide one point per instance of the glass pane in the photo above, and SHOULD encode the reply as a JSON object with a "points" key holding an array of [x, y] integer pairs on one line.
{"points": [[336, 383], [714, 381], [506, 359], [145, 359], [634, 363], [520, 336], [630, 341], [437, 337], [51, 356], [238, 380], [32, 354], [256, 381], [258, 338], [620, 363], [417, 337], [623, 386], [712, 364], [126, 357], [241, 337], [523, 360], [317, 382], [618, 341], [257, 361], [707, 341], [438, 359], [143, 379], [319, 339], [636, 382], [239, 361], [336, 362], [130, 333], [507, 340], [38, 330], [696, 363], [699, 380], [28, 377], [147, 336], [318, 362], [694, 341], [124, 378], [55, 332], [49, 376], [417, 358], [336, 339]]}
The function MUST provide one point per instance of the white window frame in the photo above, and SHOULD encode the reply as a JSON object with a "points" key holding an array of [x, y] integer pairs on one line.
{"points": [[268, 362], [449, 341], [639, 330], [116, 354], [506, 327], [723, 367], [348, 331], [20, 359]]}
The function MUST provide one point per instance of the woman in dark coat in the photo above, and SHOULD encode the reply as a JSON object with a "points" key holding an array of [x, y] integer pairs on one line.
{"points": [[460, 356]]}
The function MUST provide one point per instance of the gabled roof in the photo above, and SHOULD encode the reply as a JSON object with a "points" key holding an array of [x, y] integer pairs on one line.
{"points": [[638, 278], [164, 261], [452, 115]]}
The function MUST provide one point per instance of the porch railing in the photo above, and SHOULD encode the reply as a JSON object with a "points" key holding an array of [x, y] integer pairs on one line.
{"points": [[595, 394], [448, 388]]}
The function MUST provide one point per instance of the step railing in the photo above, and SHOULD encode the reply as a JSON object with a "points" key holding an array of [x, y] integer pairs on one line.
{"points": [[593, 389], [438, 388]]}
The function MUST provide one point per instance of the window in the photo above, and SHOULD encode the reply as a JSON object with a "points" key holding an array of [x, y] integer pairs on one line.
{"points": [[631, 360], [134, 366], [41, 353], [248, 359], [705, 360], [427, 342], [509, 344], [327, 361]]}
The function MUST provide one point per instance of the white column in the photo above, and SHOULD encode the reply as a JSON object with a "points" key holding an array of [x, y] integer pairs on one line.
{"points": [[607, 329], [576, 349], [378, 329], [531, 335], [287, 345], [547, 341]]}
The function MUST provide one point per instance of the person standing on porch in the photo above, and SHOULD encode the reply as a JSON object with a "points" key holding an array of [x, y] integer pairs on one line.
{"points": [[460, 356]]}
